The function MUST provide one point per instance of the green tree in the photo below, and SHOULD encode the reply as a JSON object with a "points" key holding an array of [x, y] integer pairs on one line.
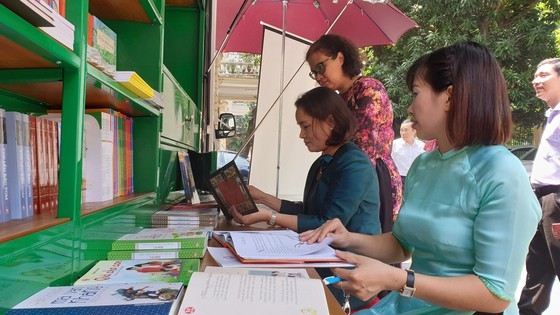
{"points": [[520, 33]]}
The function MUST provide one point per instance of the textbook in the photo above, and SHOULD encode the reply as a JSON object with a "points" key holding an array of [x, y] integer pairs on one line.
{"points": [[157, 254], [136, 271], [149, 239], [221, 293], [274, 246], [230, 191], [123, 299]]}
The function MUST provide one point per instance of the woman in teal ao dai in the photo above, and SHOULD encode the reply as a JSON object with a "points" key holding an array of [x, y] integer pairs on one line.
{"points": [[468, 213]]}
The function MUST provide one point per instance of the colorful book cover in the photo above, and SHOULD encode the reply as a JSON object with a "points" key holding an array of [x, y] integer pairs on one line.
{"points": [[122, 299], [136, 271], [163, 240], [157, 254]]}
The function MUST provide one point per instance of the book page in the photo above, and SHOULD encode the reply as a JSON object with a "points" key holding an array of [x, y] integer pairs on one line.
{"points": [[220, 293], [279, 244]]}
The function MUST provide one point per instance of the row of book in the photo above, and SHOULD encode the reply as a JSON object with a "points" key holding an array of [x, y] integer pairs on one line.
{"points": [[29, 154], [108, 146]]}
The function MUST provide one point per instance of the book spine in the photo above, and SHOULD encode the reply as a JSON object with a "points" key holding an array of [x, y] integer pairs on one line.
{"points": [[164, 244], [44, 203], [4, 200], [34, 163], [28, 169], [149, 255], [16, 175]]}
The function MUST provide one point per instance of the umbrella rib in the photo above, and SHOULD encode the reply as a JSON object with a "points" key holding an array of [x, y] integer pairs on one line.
{"points": [[374, 22]]}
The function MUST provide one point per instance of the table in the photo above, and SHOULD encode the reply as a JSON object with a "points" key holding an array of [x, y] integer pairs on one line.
{"points": [[334, 307]]}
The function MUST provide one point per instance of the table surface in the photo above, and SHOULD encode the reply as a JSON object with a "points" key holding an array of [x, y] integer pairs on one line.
{"points": [[334, 307]]}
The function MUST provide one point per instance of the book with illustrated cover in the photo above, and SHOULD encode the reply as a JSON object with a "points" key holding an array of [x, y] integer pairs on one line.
{"points": [[136, 271], [148, 239], [230, 191], [123, 299], [220, 293]]}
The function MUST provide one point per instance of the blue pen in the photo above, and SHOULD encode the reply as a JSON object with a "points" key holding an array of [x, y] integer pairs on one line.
{"points": [[331, 280]]}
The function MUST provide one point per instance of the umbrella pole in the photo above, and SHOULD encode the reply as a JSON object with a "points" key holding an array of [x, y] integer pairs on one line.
{"points": [[281, 101]]}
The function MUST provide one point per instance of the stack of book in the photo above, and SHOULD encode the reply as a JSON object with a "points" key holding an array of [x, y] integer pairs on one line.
{"points": [[62, 30], [38, 13], [199, 215], [133, 82], [162, 243]]}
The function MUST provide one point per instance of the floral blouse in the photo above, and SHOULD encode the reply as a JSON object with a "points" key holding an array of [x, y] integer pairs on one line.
{"points": [[370, 103]]}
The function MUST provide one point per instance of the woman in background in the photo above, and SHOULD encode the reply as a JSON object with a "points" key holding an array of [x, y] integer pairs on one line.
{"points": [[336, 63]]}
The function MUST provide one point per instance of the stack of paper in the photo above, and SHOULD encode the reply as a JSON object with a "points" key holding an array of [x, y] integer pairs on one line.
{"points": [[132, 81]]}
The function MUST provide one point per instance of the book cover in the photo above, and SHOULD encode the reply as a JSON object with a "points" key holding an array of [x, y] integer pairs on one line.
{"points": [[136, 271], [122, 299], [162, 240], [188, 176], [220, 293], [157, 254], [98, 155], [229, 190]]}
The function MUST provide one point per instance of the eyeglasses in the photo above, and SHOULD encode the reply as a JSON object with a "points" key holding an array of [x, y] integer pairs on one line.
{"points": [[319, 69]]}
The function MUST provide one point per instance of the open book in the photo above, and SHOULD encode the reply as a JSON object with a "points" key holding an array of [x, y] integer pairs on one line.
{"points": [[274, 246], [221, 293], [229, 190]]}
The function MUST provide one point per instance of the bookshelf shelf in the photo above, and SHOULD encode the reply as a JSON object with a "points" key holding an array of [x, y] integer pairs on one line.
{"points": [[101, 92], [24, 46], [143, 11], [16, 229], [180, 3], [94, 207]]}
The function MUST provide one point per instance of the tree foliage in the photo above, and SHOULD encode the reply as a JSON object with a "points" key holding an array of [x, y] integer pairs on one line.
{"points": [[520, 33]]}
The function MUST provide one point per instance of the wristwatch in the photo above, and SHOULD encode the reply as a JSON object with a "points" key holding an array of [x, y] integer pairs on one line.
{"points": [[408, 289], [272, 221]]}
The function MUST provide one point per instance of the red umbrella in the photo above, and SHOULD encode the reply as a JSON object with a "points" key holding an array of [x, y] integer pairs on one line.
{"points": [[365, 22]]}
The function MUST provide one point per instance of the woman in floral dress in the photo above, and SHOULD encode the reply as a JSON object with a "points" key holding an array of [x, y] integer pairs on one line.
{"points": [[336, 63]]}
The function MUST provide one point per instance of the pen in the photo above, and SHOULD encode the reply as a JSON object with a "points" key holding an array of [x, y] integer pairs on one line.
{"points": [[331, 280]]}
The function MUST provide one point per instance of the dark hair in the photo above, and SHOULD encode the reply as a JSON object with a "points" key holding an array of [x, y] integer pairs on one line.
{"points": [[322, 102], [480, 112], [331, 45], [555, 62]]}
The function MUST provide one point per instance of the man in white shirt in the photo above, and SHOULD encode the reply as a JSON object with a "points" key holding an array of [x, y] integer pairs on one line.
{"points": [[543, 260], [406, 148]]}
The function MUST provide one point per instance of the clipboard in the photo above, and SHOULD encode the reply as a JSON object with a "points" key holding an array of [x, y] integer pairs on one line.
{"points": [[228, 189]]}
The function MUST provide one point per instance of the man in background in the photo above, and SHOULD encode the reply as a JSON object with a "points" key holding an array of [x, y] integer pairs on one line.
{"points": [[543, 259], [406, 148]]}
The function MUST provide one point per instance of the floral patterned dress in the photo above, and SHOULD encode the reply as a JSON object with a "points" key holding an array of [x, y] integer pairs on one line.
{"points": [[370, 103]]}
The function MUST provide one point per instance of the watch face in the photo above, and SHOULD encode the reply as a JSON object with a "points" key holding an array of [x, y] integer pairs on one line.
{"points": [[408, 292]]}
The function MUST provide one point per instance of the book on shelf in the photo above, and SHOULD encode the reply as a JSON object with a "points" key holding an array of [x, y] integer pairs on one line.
{"points": [[230, 191], [142, 270], [220, 293], [119, 298], [187, 177], [15, 164], [149, 239], [134, 82], [62, 30], [277, 246], [102, 46], [37, 13], [98, 155], [28, 167], [4, 199], [157, 254]]}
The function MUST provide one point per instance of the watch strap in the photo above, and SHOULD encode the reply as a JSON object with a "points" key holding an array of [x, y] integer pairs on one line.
{"points": [[272, 221]]}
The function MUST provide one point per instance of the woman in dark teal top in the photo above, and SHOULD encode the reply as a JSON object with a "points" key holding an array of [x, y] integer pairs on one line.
{"points": [[341, 183]]}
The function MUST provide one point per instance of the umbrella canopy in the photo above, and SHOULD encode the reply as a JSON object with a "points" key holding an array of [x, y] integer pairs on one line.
{"points": [[363, 22]]}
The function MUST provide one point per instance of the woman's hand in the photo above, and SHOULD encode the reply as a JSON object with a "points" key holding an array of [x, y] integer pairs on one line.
{"points": [[332, 228], [256, 193], [260, 216], [369, 277]]}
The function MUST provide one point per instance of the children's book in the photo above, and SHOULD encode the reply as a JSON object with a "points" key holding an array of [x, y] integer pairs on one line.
{"points": [[149, 239], [136, 271], [221, 293], [123, 299], [230, 191]]}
